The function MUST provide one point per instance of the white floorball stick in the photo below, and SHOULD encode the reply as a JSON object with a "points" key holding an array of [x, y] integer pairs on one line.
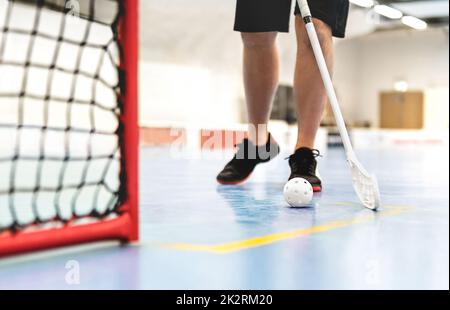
{"points": [[365, 185]]}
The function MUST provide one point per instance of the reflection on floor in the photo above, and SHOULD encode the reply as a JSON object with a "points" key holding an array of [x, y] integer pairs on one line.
{"points": [[198, 235]]}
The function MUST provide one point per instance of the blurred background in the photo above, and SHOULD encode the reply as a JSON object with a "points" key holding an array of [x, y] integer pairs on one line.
{"points": [[392, 79], [391, 73]]}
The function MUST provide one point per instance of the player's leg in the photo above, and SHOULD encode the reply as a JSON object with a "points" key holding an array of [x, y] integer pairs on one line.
{"points": [[310, 96], [261, 73], [261, 77], [259, 21], [330, 17]]}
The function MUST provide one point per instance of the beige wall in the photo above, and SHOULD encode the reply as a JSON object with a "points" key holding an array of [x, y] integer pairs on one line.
{"points": [[420, 58], [191, 63]]}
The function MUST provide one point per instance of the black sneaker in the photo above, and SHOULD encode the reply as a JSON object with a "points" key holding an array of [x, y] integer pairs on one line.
{"points": [[304, 165], [247, 157]]}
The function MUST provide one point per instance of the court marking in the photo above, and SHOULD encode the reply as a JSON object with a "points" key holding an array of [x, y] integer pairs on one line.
{"points": [[245, 244]]}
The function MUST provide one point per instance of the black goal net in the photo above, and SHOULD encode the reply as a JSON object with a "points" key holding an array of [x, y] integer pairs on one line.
{"points": [[60, 112]]}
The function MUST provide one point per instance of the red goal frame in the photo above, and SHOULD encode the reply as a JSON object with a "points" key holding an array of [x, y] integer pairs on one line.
{"points": [[126, 226]]}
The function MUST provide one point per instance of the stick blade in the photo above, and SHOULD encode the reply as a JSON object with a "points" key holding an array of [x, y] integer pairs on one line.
{"points": [[366, 186]]}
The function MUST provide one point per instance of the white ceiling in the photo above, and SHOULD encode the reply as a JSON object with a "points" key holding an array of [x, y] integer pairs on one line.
{"points": [[175, 30], [424, 9]]}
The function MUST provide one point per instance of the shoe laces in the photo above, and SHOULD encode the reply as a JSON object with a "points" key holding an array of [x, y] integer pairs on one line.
{"points": [[304, 162], [241, 157], [250, 152]]}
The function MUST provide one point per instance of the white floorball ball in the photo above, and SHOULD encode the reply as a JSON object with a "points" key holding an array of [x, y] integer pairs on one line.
{"points": [[298, 192]]}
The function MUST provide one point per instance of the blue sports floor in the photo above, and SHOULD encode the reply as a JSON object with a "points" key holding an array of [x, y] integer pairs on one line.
{"points": [[197, 235]]}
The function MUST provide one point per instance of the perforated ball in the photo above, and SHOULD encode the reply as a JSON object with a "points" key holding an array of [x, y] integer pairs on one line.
{"points": [[298, 192]]}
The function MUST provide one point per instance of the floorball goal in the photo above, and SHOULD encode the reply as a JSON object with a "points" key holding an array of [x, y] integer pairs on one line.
{"points": [[68, 123]]}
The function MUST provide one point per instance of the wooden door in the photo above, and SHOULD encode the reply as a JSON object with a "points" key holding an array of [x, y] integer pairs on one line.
{"points": [[400, 110]]}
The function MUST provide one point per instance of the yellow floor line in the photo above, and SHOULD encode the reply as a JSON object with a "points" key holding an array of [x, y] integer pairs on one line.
{"points": [[277, 237]]}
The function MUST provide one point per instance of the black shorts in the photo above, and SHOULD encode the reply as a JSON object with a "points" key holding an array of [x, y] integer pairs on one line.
{"points": [[274, 15]]}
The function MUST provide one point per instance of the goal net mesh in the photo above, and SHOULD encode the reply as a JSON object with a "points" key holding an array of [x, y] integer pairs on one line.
{"points": [[60, 112]]}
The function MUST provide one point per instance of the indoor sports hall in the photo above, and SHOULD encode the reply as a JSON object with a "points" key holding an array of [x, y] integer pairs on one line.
{"points": [[117, 116]]}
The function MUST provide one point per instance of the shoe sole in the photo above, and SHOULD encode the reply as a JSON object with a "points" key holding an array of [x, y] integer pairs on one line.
{"points": [[243, 180], [316, 189], [235, 182]]}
